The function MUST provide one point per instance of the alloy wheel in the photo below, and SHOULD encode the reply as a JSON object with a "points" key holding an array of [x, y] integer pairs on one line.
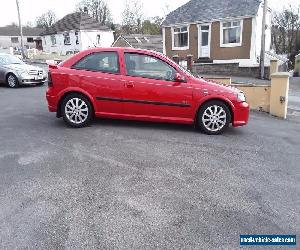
{"points": [[76, 110], [12, 81], [214, 118]]}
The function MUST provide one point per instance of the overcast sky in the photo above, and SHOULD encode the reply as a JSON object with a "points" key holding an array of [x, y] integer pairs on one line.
{"points": [[30, 9]]}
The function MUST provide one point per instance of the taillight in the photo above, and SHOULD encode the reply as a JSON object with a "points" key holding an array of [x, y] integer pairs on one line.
{"points": [[50, 83]]}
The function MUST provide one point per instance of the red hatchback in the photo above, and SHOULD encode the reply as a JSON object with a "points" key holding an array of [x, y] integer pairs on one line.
{"points": [[142, 85]]}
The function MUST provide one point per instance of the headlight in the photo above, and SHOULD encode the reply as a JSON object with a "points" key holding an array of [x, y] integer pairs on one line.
{"points": [[241, 97], [21, 72]]}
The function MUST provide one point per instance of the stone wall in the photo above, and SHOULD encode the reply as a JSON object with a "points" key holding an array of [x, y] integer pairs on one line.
{"points": [[228, 69]]}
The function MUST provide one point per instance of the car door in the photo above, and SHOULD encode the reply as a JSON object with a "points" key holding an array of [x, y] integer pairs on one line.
{"points": [[2, 70], [99, 73], [150, 89]]}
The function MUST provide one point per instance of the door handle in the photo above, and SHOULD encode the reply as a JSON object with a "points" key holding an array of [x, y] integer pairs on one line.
{"points": [[129, 85]]}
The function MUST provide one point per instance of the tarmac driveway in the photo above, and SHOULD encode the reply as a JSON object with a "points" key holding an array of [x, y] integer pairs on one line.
{"points": [[137, 185]]}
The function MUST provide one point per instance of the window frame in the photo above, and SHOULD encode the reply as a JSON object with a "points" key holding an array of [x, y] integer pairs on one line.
{"points": [[67, 34], [14, 38], [222, 28], [31, 39], [101, 71], [53, 40], [173, 38], [155, 57], [76, 37]]}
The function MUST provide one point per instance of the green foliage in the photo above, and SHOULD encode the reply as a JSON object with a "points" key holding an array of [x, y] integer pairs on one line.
{"points": [[152, 26]]}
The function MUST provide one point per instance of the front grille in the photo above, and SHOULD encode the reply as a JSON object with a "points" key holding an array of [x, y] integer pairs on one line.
{"points": [[35, 72]]}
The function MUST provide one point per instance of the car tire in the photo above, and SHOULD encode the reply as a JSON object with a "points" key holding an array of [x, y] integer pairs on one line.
{"points": [[12, 81], [76, 110], [213, 117]]}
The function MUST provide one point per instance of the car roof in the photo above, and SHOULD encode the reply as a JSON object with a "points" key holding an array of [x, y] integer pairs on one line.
{"points": [[127, 49]]}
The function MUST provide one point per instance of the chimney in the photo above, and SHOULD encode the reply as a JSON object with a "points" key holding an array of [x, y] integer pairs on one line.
{"points": [[85, 10]]}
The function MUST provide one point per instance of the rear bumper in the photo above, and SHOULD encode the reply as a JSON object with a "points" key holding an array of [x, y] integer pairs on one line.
{"points": [[241, 114], [52, 101]]}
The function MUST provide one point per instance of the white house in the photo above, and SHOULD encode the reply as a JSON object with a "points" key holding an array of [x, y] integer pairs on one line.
{"points": [[10, 37], [76, 32]]}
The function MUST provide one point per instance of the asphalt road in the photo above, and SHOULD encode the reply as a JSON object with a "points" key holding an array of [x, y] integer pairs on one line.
{"points": [[139, 185]]}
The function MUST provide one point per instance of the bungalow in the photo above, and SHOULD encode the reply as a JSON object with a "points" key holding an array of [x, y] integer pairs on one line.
{"points": [[140, 41], [217, 31], [76, 32], [10, 37]]}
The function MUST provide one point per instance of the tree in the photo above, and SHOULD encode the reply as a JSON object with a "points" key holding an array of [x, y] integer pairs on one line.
{"points": [[285, 31], [46, 20], [132, 17], [97, 9], [152, 26]]}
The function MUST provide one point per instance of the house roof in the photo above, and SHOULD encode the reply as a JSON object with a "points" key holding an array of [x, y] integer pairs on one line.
{"points": [[13, 30], [75, 21], [207, 10], [143, 41]]}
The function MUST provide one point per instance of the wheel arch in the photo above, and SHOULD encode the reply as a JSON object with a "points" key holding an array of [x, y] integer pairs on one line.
{"points": [[227, 102], [69, 92]]}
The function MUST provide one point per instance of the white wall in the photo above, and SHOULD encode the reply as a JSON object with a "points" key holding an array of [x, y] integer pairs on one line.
{"points": [[60, 47], [87, 39], [5, 42]]}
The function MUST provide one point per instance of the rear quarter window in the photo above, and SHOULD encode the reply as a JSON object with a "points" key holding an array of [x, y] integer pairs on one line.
{"points": [[99, 61]]}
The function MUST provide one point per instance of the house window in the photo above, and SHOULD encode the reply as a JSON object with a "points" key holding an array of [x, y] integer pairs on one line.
{"points": [[30, 39], [77, 37], [14, 39], [53, 40], [231, 33], [180, 38], [67, 39], [98, 39]]}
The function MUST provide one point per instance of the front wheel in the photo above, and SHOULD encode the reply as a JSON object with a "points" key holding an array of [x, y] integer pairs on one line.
{"points": [[214, 117], [12, 81], [76, 110]]}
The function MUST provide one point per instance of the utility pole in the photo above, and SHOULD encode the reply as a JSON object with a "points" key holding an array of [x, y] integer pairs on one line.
{"points": [[263, 41], [21, 29]]}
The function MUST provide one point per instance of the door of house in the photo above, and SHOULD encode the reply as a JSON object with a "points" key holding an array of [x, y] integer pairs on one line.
{"points": [[204, 40]]}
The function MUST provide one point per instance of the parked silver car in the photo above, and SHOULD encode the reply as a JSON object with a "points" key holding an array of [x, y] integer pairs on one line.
{"points": [[14, 72]]}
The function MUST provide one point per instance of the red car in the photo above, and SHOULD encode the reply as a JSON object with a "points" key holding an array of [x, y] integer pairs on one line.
{"points": [[136, 84]]}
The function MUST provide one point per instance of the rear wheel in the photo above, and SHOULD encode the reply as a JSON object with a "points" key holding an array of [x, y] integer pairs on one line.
{"points": [[12, 81], [214, 117], [76, 110]]}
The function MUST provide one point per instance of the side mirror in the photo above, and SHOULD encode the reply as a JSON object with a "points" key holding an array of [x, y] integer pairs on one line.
{"points": [[179, 78]]}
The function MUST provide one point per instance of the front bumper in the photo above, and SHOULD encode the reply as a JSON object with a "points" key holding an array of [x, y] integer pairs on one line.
{"points": [[25, 78], [241, 114], [30, 81]]}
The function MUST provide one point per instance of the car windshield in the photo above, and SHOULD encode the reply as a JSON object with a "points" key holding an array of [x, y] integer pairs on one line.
{"points": [[9, 59]]}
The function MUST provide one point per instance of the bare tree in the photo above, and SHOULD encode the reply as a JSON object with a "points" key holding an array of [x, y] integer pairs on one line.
{"points": [[97, 9], [285, 31], [46, 20], [132, 17]]}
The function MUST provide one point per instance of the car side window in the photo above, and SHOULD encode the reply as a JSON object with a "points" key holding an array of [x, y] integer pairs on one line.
{"points": [[99, 61], [148, 66]]}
